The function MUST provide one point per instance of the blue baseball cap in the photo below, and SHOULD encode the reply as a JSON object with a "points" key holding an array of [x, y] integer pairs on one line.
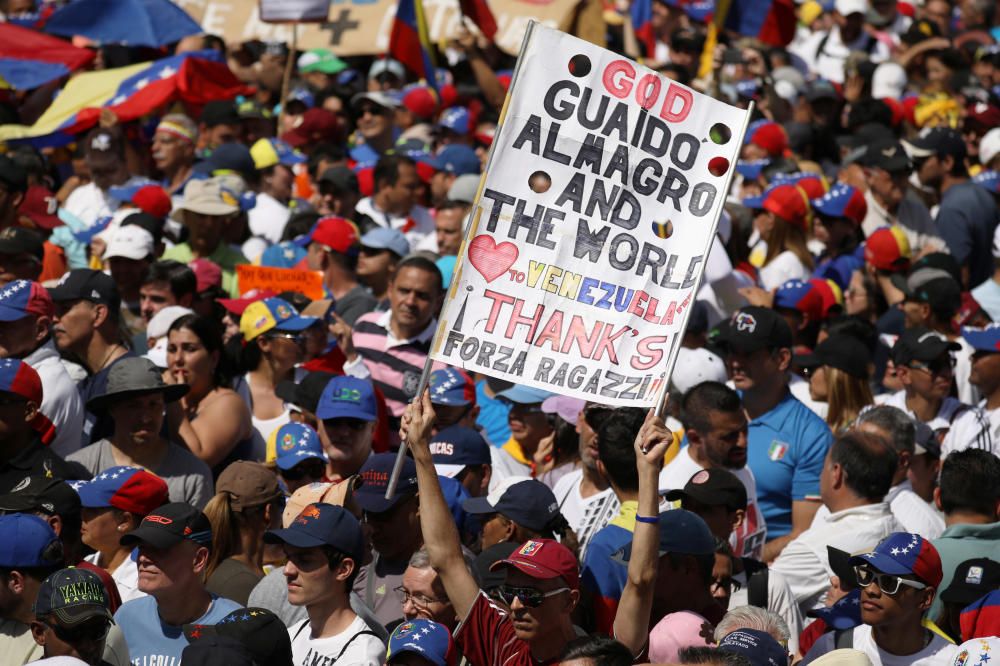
{"points": [[988, 179], [844, 614], [21, 298], [347, 397], [375, 475], [456, 447], [283, 255], [323, 525], [457, 159], [383, 238], [452, 387], [682, 532], [757, 646], [751, 169], [842, 201], [455, 119], [272, 313], [524, 500], [426, 638], [130, 489], [524, 395], [295, 442], [983, 339], [25, 541]]}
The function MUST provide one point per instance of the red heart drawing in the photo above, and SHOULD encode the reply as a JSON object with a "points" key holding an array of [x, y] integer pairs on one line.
{"points": [[491, 259]]}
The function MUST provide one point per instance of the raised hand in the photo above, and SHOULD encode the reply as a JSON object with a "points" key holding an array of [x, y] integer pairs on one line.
{"points": [[652, 441]]}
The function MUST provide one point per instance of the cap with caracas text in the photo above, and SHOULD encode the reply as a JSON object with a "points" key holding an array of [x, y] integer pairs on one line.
{"points": [[169, 525], [375, 475], [347, 397], [127, 488], [456, 447], [320, 525], [452, 387], [73, 596], [903, 553], [543, 559], [21, 298]]}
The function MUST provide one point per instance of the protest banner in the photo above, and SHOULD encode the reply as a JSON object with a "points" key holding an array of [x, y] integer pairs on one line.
{"points": [[362, 27], [587, 244], [294, 11], [308, 283]]}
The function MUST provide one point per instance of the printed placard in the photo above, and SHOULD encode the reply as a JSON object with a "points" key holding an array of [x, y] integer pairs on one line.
{"points": [[309, 283]]}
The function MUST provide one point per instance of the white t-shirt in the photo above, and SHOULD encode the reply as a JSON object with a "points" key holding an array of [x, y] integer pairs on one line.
{"points": [[938, 652], [748, 540], [586, 515], [913, 513], [967, 393], [786, 266], [993, 416], [967, 427], [355, 645]]}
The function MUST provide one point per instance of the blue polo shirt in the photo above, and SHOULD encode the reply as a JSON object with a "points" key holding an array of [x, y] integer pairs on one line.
{"points": [[786, 449]]}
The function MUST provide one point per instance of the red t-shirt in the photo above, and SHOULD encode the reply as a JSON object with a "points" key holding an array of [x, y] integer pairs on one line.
{"points": [[487, 638]]}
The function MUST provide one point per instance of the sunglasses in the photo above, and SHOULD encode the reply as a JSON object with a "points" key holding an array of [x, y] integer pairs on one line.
{"points": [[92, 631], [311, 468], [888, 583], [529, 596], [939, 367], [297, 338]]}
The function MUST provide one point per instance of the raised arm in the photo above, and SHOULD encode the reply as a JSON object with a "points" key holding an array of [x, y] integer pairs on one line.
{"points": [[440, 534], [632, 618]]}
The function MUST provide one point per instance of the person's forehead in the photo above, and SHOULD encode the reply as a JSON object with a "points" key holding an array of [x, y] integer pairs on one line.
{"points": [[414, 277], [419, 579], [518, 578]]}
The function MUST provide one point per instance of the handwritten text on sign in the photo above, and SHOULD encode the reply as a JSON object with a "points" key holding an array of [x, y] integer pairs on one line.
{"points": [[597, 212], [308, 283]]}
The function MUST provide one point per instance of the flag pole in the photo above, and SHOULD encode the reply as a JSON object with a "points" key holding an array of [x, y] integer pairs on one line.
{"points": [[397, 467]]}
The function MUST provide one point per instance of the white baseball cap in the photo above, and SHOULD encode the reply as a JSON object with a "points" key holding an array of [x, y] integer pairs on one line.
{"points": [[695, 366], [848, 7], [888, 80], [130, 241], [989, 146], [161, 322]]}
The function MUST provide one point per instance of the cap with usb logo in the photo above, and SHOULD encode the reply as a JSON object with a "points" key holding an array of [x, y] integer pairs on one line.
{"points": [[127, 488], [347, 397], [322, 525], [169, 525], [375, 475]]}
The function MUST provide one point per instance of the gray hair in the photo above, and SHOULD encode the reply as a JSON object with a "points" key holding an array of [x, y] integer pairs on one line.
{"points": [[422, 560], [752, 617], [895, 422]]}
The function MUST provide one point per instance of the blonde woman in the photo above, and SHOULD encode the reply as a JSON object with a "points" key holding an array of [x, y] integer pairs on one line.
{"points": [[838, 371]]}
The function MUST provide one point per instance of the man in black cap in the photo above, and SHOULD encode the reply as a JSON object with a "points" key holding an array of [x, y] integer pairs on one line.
{"points": [[174, 543], [21, 254], [973, 579], [72, 616], [104, 152], [967, 215], [924, 365], [86, 325], [257, 629], [338, 192], [786, 441], [890, 201]]}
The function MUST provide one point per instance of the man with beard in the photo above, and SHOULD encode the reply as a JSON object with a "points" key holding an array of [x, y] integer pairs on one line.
{"points": [[716, 431]]}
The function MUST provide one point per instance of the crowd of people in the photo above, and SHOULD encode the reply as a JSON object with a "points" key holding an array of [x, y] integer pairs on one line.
{"points": [[195, 473]]}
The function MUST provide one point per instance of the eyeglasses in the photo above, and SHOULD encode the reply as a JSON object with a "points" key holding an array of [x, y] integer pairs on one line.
{"points": [[312, 468], [372, 109], [888, 583], [528, 596], [297, 338], [91, 631], [940, 366], [417, 599]]}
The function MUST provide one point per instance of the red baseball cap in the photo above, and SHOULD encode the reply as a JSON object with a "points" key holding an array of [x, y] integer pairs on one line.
{"points": [[237, 305], [888, 249], [336, 233], [154, 200], [790, 203], [771, 137], [544, 559], [40, 206], [207, 273], [314, 126], [421, 101], [21, 298]]}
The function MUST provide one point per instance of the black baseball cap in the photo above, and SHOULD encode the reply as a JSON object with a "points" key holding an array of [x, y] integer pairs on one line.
{"points": [[74, 596], [258, 629], [712, 487], [840, 565], [925, 441], [936, 141], [843, 352], [12, 175], [228, 157], [921, 344], [169, 525], [973, 579], [940, 260], [375, 474], [525, 501], [18, 240], [215, 650], [887, 154], [320, 525], [219, 112], [753, 328], [306, 393], [41, 493], [341, 178], [87, 284]]}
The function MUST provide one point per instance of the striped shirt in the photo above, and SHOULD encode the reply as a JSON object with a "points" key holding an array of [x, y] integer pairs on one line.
{"points": [[395, 365]]}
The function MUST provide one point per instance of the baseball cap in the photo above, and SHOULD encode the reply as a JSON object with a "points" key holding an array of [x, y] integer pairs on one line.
{"points": [[379, 98], [248, 484], [306, 393], [259, 630], [787, 201], [456, 158], [464, 189], [229, 157], [936, 141], [87, 284], [322, 525], [127, 488], [18, 240], [456, 447], [757, 646], [903, 553], [272, 314], [925, 440], [341, 177], [921, 344], [387, 65], [682, 532], [813, 184], [843, 352], [695, 366], [524, 500], [337, 233], [74, 596], [130, 242], [420, 100], [842, 201], [888, 249], [347, 397], [338, 494], [383, 238], [21, 379], [751, 169], [320, 60], [524, 395], [426, 638], [375, 475], [132, 376], [888, 80], [985, 339], [41, 493], [753, 328], [151, 224], [27, 541], [292, 443], [887, 154], [990, 180], [169, 525], [981, 618], [989, 146], [314, 126], [219, 112], [543, 559], [848, 7], [39, 206], [214, 650], [147, 197], [12, 175], [807, 297], [21, 298], [768, 135], [565, 407], [207, 197], [712, 487], [267, 152], [452, 387], [457, 119], [930, 285], [844, 614], [973, 579]]}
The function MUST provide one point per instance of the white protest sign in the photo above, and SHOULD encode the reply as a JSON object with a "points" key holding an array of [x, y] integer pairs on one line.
{"points": [[598, 209], [299, 11]]}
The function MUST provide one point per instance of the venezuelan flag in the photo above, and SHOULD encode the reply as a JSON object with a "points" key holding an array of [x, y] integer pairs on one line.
{"points": [[480, 14], [641, 13], [29, 59], [410, 43]]}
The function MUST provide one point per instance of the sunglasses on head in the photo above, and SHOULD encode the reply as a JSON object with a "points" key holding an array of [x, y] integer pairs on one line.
{"points": [[888, 583], [529, 596], [92, 630]]}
